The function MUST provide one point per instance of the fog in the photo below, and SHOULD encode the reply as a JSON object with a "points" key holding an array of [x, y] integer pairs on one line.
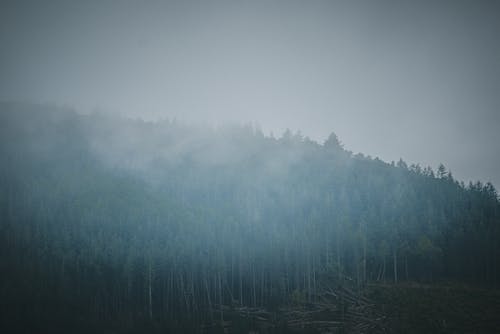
{"points": [[417, 80], [112, 223]]}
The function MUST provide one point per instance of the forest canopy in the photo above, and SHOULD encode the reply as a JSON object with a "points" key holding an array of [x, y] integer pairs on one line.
{"points": [[115, 218]]}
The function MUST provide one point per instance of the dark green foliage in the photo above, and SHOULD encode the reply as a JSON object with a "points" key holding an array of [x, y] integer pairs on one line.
{"points": [[120, 224]]}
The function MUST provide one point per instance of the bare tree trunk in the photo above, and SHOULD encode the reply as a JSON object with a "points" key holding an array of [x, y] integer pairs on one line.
{"points": [[241, 277], [383, 271], [209, 299], [395, 265], [262, 282], [253, 287], [406, 267], [150, 293], [364, 260], [220, 300], [339, 265], [327, 252], [308, 278]]}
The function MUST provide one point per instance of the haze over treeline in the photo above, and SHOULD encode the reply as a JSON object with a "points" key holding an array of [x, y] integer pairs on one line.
{"points": [[411, 79], [109, 222]]}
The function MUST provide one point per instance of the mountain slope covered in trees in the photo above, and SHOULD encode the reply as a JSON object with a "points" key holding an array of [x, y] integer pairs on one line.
{"points": [[106, 221]]}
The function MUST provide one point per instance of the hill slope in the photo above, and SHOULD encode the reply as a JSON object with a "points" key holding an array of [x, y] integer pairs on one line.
{"points": [[108, 221]]}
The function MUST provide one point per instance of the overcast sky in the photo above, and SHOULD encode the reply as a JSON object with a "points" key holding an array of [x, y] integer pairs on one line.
{"points": [[413, 79]]}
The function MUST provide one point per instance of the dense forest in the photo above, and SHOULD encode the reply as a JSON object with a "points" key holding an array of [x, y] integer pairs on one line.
{"points": [[127, 225]]}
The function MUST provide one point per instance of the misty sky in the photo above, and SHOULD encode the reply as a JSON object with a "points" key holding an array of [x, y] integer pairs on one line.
{"points": [[413, 79]]}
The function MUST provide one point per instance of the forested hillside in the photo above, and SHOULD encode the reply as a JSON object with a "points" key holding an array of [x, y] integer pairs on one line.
{"points": [[114, 223]]}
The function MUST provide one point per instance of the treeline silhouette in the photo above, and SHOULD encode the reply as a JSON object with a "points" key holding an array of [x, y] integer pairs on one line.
{"points": [[120, 224]]}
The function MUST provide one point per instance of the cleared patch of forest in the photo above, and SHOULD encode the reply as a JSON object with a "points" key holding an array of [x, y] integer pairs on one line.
{"points": [[377, 308], [437, 308]]}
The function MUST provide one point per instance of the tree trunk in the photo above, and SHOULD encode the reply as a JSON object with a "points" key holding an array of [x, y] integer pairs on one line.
{"points": [[364, 260], [406, 267], [395, 265], [220, 299], [150, 293]]}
